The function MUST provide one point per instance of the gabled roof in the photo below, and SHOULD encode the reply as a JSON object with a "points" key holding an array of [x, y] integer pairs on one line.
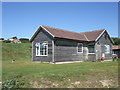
{"points": [[84, 36], [64, 33], [93, 35]]}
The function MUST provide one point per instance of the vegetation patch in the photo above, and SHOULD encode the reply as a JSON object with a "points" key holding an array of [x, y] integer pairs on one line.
{"points": [[23, 73]]}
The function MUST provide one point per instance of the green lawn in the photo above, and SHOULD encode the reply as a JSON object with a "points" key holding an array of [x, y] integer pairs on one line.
{"points": [[28, 74]]}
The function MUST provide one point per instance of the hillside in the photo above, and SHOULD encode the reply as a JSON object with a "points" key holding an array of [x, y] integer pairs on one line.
{"points": [[21, 51], [24, 73]]}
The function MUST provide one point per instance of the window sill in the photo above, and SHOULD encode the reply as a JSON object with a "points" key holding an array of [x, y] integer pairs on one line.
{"points": [[107, 52], [91, 53], [41, 55], [79, 52]]}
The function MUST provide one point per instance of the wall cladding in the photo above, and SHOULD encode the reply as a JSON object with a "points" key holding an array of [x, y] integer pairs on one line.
{"points": [[66, 50], [104, 40], [42, 36]]}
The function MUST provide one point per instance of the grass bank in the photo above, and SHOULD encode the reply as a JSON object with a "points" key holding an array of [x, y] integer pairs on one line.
{"points": [[28, 74]]}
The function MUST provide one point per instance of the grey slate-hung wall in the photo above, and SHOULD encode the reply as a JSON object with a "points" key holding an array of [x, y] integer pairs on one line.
{"points": [[62, 45]]}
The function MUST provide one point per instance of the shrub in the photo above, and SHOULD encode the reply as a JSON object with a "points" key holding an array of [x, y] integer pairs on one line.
{"points": [[24, 40], [6, 41], [116, 40], [12, 84]]}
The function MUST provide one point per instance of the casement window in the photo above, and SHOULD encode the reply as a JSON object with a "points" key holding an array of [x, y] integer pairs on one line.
{"points": [[37, 47], [107, 48], [42, 49], [91, 49], [80, 48]]}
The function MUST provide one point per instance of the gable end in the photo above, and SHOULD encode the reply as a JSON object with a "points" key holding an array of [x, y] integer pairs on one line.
{"points": [[37, 31], [105, 31]]}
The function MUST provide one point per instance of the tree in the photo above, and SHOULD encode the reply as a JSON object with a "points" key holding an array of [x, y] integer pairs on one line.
{"points": [[24, 40], [14, 37], [1, 38], [116, 40]]}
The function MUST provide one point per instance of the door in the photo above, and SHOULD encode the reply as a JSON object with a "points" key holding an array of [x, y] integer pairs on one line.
{"points": [[98, 52], [103, 51]]}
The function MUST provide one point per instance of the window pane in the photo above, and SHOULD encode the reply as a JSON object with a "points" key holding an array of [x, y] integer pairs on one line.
{"points": [[80, 47], [107, 48], [37, 49], [43, 48], [91, 48]]}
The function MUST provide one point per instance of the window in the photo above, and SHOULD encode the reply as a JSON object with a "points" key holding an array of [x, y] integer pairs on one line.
{"points": [[41, 49], [37, 45], [91, 49], [107, 48], [80, 48]]}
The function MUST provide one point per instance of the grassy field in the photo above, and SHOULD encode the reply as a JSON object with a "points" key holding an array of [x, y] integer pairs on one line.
{"points": [[27, 74]]}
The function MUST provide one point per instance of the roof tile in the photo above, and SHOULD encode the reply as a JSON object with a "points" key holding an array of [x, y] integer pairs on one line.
{"points": [[84, 36]]}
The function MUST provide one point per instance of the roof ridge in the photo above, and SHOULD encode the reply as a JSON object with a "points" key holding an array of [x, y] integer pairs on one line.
{"points": [[61, 29], [93, 31], [72, 31], [83, 36]]}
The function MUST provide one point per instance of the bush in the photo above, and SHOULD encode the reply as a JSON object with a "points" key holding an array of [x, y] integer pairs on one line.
{"points": [[24, 40], [116, 40], [6, 41], [12, 84]]}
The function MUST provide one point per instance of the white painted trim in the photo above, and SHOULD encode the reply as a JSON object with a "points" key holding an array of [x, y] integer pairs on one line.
{"points": [[91, 53], [53, 51], [46, 50], [32, 51], [34, 34], [100, 35], [47, 31], [40, 55], [110, 37], [109, 49], [77, 47], [38, 30], [37, 51]]}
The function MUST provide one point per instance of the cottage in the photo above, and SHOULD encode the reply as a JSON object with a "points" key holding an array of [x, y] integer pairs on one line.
{"points": [[57, 45], [14, 40], [116, 50]]}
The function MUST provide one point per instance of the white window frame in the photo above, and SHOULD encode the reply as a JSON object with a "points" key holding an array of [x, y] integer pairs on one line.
{"points": [[107, 47], [94, 49], [37, 45], [39, 49], [77, 47]]}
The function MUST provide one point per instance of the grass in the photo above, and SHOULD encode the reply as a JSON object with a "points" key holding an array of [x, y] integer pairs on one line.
{"points": [[28, 74]]}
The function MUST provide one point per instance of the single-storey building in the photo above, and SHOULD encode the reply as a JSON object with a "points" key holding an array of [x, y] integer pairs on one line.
{"points": [[116, 50], [14, 40], [57, 45]]}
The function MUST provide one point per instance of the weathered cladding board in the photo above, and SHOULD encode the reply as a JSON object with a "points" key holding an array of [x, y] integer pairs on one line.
{"points": [[98, 51], [104, 40], [66, 50], [43, 36], [88, 57], [91, 57]]}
